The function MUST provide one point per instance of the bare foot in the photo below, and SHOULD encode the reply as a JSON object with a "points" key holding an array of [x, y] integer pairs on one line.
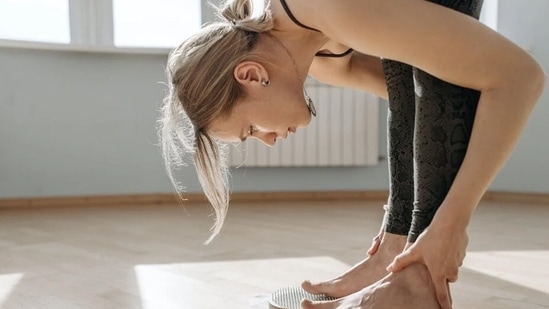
{"points": [[412, 288], [362, 274]]}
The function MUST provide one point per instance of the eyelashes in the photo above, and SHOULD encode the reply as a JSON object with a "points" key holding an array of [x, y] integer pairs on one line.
{"points": [[251, 131]]}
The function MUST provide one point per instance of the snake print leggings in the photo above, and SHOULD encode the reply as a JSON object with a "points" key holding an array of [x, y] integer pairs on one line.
{"points": [[429, 126]]}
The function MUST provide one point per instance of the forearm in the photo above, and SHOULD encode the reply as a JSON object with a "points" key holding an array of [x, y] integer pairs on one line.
{"points": [[501, 117]]}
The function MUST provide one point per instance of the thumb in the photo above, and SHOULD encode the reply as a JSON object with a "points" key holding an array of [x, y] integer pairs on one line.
{"points": [[402, 260]]}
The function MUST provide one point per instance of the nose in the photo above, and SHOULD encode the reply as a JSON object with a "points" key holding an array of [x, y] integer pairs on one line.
{"points": [[268, 138]]}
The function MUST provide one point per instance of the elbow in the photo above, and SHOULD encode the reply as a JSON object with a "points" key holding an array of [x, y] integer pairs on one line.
{"points": [[519, 87], [530, 82], [542, 81], [536, 79]]}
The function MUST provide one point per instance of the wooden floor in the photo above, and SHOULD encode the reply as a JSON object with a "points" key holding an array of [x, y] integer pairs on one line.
{"points": [[153, 258]]}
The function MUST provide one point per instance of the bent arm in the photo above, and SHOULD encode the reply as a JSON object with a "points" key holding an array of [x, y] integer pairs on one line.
{"points": [[455, 48], [356, 70]]}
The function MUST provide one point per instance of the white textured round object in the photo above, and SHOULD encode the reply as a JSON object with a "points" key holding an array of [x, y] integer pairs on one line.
{"points": [[291, 297]]}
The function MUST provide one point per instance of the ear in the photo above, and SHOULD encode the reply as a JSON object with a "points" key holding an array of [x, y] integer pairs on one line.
{"points": [[250, 73]]}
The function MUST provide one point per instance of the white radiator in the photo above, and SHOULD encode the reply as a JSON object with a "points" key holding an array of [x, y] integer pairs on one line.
{"points": [[344, 133]]}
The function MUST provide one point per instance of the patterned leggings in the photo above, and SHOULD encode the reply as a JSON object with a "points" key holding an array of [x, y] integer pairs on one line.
{"points": [[429, 126]]}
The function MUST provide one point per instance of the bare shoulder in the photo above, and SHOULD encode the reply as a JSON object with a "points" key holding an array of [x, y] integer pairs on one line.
{"points": [[443, 42]]}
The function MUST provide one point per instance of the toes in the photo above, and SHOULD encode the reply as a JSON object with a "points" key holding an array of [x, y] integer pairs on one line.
{"points": [[315, 288], [309, 286], [308, 304]]}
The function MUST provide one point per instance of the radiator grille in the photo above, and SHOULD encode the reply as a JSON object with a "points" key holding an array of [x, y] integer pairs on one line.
{"points": [[344, 133]]}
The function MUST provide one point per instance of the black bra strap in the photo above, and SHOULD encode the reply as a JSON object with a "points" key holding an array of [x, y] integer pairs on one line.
{"points": [[343, 54], [297, 22], [292, 17]]}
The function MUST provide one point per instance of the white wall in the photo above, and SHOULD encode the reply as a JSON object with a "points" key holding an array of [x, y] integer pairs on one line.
{"points": [[78, 124], [528, 169], [84, 124]]}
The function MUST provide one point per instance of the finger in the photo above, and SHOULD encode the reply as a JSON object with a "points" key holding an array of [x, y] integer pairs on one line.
{"points": [[449, 293], [453, 276], [403, 260], [443, 294]]}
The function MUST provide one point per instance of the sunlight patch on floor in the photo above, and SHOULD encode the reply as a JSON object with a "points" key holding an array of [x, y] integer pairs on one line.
{"points": [[226, 284], [8, 282], [510, 267]]}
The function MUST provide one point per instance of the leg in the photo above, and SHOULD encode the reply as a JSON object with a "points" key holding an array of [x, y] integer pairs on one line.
{"points": [[400, 86], [444, 114], [397, 221], [444, 120]]}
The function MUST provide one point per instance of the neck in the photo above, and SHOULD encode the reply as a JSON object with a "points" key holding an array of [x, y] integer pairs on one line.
{"points": [[300, 42], [300, 76], [299, 52]]}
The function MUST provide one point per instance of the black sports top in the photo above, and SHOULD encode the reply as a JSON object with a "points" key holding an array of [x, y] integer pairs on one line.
{"points": [[297, 22]]}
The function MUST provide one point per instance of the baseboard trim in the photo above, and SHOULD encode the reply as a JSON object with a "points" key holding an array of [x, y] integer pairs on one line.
{"points": [[189, 198], [517, 197], [242, 197]]}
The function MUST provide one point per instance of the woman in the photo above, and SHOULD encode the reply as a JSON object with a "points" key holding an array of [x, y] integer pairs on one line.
{"points": [[244, 78], [421, 173]]}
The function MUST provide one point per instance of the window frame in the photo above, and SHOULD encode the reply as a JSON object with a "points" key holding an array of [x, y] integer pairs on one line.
{"points": [[92, 29]]}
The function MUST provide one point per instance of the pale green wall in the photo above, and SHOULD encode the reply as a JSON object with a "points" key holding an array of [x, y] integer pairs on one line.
{"points": [[83, 124]]}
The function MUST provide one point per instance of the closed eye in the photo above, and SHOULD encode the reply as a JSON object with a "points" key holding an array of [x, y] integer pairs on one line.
{"points": [[250, 132]]}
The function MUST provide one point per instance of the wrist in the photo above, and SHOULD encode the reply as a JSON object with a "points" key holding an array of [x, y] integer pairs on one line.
{"points": [[453, 215]]}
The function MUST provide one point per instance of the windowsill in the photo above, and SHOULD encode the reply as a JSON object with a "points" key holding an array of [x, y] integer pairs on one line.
{"points": [[82, 48]]}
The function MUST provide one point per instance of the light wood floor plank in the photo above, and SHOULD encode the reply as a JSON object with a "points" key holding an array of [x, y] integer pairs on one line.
{"points": [[147, 257]]}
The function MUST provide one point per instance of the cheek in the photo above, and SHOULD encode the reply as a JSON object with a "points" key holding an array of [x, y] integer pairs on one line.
{"points": [[298, 111], [284, 109], [295, 115]]}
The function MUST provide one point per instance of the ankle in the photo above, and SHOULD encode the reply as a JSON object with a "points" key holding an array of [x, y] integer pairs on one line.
{"points": [[393, 243], [408, 245], [416, 275]]}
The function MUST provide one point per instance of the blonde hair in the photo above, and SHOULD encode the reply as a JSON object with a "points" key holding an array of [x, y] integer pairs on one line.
{"points": [[202, 88]]}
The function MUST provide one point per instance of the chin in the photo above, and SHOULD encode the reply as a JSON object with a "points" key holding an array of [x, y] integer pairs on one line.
{"points": [[305, 120]]}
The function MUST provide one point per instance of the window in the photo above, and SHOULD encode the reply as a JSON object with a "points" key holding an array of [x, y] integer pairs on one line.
{"points": [[154, 23], [118, 25], [35, 20]]}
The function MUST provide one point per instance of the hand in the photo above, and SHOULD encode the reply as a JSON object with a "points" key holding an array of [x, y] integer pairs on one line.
{"points": [[441, 247]]}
